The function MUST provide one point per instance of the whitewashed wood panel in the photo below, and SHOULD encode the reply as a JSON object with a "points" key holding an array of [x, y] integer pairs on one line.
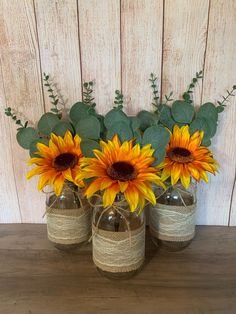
{"points": [[185, 34], [57, 24], [116, 43], [21, 78], [141, 47], [9, 205], [99, 28], [219, 73]]}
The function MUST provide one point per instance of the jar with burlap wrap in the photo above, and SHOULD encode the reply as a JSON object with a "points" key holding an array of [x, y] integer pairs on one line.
{"points": [[118, 240], [172, 220], [68, 218]]}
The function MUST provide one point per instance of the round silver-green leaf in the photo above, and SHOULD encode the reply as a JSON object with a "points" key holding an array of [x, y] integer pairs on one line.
{"points": [[61, 128], [47, 122], [87, 147], [25, 136], [123, 131], [182, 112], [88, 128]]}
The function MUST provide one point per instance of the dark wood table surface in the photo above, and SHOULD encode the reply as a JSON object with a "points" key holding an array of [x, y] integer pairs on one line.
{"points": [[36, 278]]}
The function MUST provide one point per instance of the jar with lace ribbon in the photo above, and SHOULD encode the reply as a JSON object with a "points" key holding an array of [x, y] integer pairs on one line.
{"points": [[68, 218], [118, 240], [172, 220]]}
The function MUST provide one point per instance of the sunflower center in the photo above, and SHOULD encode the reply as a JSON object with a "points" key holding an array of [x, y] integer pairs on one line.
{"points": [[181, 155], [65, 161], [122, 171]]}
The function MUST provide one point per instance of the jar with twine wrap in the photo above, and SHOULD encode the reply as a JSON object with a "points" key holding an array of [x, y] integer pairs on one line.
{"points": [[68, 218], [118, 240], [172, 220]]}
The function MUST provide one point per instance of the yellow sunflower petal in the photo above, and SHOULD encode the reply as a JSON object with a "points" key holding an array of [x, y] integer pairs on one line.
{"points": [[109, 195], [58, 184], [132, 196], [175, 173]]}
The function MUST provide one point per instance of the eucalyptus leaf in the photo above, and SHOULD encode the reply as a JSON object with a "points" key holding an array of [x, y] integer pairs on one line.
{"points": [[166, 118], [122, 129], [25, 136], [61, 128], [208, 110], [201, 124], [87, 147], [206, 142], [159, 154], [115, 115], [33, 146], [147, 119], [220, 109], [135, 123], [88, 128], [182, 112], [80, 111], [47, 122], [156, 135]]}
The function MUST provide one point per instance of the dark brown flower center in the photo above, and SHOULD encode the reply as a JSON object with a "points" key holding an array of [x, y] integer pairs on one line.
{"points": [[65, 161], [180, 154], [122, 171]]}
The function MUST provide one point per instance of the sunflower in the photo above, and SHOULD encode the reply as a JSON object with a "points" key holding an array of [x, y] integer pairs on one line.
{"points": [[57, 162], [121, 168], [185, 158]]}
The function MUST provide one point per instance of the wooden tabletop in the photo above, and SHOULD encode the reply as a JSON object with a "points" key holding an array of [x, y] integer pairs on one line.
{"points": [[36, 278]]}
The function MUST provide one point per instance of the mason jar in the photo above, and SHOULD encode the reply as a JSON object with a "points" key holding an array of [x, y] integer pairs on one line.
{"points": [[172, 220], [118, 240], [68, 218]]}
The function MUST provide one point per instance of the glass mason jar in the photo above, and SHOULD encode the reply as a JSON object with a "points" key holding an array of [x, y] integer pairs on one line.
{"points": [[68, 218], [172, 220], [118, 240]]}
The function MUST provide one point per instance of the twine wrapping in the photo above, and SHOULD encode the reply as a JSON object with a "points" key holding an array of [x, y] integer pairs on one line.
{"points": [[68, 226], [119, 251], [173, 223]]}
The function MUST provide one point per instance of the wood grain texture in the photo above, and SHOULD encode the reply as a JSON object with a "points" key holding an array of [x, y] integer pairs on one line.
{"points": [[185, 34], [57, 24], [9, 205], [21, 77], [99, 28], [116, 43], [36, 278], [141, 47], [215, 198]]}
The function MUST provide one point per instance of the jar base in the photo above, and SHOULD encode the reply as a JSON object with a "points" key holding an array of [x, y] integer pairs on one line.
{"points": [[67, 247], [120, 275], [171, 246]]}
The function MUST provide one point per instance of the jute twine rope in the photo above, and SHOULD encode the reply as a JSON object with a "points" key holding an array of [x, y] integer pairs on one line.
{"points": [[113, 251], [118, 251], [69, 226], [173, 223]]}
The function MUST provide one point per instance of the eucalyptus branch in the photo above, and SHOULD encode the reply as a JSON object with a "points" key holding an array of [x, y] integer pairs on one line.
{"points": [[186, 95], [54, 99], [10, 113], [119, 99], [168, 98], [221, 104], [88, 94], [153, 80]]}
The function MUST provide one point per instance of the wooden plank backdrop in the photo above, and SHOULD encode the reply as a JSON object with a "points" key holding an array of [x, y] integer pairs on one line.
{"points": [[117, 44]]}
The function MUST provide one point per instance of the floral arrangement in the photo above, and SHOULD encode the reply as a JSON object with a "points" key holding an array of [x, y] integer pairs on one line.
{"points": [[117, 153]]}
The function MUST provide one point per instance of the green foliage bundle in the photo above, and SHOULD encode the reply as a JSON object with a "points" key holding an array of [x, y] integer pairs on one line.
{"points": [[144, 128]]}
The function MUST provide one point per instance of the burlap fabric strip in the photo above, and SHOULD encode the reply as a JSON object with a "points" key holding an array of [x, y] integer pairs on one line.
{"points": [[173, 223], [119, 251], [68, 226]]}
